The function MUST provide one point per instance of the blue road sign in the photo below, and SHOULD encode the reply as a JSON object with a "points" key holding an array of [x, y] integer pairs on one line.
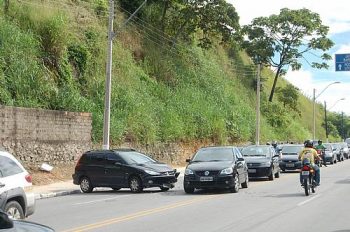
{"points": [[342, 62]]}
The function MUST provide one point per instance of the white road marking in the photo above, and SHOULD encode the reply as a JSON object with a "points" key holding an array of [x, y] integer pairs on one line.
{"points": [[311, 199], [100, 200]]}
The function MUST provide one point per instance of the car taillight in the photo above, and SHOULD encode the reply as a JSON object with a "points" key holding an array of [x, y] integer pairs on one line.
{"points": [[28, 178], [78, 163], [306, 168]]}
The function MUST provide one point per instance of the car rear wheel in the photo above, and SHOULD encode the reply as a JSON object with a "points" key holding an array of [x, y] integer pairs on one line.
{"points": [[135, 184], [236, 185], [85, 185], [14, 210]]}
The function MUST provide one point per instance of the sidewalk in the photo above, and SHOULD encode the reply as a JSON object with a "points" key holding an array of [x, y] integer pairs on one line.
{"points": [[56, 189], [66, 187]]}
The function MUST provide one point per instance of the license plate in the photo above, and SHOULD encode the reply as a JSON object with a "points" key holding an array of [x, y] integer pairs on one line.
{"points": [[206, 178], [252, 170], [289, 165], [305, 173]]}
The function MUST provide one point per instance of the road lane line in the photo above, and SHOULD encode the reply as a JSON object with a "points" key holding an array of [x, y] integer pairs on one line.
{"points": [[141, 214], [311, 199], [105, 199]]}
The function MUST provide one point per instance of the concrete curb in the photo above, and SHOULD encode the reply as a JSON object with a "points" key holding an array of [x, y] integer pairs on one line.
{"points": [[39, 196]]}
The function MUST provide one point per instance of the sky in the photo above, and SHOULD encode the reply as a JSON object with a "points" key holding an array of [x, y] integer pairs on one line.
{"points": [[334, 14]]}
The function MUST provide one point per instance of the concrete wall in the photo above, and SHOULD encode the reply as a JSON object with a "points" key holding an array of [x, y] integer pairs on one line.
{"points": [[35, 136]]}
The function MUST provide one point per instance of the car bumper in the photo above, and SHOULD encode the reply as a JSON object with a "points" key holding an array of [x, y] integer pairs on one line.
{"points": [[160, 181], [30, 204], [218, 182], [259, 172], [290, 165], [328, 158], [76, 178]]}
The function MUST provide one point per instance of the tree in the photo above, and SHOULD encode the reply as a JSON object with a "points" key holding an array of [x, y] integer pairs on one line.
{"points": [[282, 40], [289, 96], [212, 18]]}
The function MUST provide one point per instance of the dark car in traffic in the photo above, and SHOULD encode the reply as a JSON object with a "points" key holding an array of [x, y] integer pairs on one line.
{"points": [[216, 168], [290, 155], [122, 168], [262, 161]]}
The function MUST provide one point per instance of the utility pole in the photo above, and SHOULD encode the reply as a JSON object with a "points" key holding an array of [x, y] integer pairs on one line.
{"points": [[325, 119], [257, 133], [342, 127], [107, 111], [111, 35], [314, 115]]}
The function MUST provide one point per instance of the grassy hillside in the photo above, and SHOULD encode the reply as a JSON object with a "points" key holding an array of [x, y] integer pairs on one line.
{"points": [[53, 53]]}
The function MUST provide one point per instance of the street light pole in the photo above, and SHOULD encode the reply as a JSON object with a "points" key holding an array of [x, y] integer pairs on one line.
{"points": [[325, 114], [314, 107]]}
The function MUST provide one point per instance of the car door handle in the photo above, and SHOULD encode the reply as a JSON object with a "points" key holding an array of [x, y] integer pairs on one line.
{"points": [[2, 185]]}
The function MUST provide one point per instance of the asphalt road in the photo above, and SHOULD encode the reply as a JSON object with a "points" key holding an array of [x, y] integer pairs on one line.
{"points": [[278, 205]]}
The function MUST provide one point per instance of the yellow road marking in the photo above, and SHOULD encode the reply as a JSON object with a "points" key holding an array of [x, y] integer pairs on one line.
{"points": [[140, 214]]}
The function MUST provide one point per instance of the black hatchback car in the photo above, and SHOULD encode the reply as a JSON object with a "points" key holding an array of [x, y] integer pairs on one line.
{"points": [[122, 168], [262, 161], [216, 168]]}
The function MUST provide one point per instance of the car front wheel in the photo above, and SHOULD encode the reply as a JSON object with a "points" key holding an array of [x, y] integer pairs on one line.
{"points": [[135, 184], [236, 184], [85, 185], [188, 189], [14, 210]]}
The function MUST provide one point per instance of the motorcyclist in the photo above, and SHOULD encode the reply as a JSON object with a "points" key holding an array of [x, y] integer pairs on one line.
{"points": [[311, 154], [322, 148]]}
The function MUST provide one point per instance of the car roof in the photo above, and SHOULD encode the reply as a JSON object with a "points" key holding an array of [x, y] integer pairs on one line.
{"points": [[217, 147], [112, 150]]}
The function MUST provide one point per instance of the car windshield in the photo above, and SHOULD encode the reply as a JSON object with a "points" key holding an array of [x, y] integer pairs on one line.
{"points": [[135, 158], [256, 151], [293, 150], [213, 154]]}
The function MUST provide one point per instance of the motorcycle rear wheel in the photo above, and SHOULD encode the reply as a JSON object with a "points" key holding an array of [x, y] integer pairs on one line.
{"points": [[306, 187]]}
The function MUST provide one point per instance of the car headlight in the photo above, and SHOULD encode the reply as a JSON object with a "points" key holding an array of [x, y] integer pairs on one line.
{"points": [[188, 172], [153, 173], [268, 164], [227, 171]]}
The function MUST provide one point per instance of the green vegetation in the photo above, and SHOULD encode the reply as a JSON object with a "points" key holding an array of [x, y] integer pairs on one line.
{"points": [[166, 87]]}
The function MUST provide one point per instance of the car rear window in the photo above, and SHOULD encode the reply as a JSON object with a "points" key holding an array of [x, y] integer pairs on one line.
{"points": [[9, 167], [292, 149], [256, 151]]}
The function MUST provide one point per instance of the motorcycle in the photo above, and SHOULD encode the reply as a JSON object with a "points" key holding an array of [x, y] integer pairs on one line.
{"points": [[307, 174], [321, 162]]}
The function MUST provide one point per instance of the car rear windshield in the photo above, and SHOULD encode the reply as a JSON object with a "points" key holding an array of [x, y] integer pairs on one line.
{"points": [[217, 154], [136, 158], [256, 151], [293, 150]]}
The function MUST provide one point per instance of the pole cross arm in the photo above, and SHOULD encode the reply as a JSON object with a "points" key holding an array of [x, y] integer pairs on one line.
{"points": [[131, 16]]}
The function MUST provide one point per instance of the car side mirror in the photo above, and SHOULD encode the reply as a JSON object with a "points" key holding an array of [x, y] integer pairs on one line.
{"points": [[5, 221], [188, 160], [240, 159]]}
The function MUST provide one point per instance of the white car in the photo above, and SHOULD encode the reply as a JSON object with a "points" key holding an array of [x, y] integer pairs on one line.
{"points": [[15, 186]]}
